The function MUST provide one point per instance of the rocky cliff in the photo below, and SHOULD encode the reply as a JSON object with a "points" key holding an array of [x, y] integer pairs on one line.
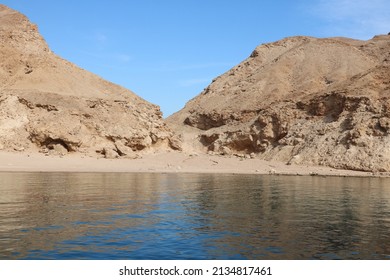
{"points": [[51, 105], [301, 100]]}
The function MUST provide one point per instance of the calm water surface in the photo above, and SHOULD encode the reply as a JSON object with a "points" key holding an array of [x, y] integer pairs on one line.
{"points": [[192, 216]]}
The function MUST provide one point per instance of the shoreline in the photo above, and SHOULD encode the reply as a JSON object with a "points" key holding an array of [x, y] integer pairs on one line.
{"points": [[167, 162]]}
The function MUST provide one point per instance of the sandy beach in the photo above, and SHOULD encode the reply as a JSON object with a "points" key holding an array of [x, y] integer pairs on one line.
{"points": [[169, 162]]}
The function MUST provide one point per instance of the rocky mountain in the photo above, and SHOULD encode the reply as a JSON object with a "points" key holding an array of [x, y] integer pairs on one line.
{"points": [[51, 105], [301, 100]]}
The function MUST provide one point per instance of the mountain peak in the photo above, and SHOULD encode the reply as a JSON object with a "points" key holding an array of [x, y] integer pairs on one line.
{"points": [[18, 33]]}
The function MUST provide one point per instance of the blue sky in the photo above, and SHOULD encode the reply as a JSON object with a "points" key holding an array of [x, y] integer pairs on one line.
{"points": [[168, 51]]}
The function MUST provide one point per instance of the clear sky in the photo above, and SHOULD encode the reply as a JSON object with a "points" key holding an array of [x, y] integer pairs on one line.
{"points": [[167, 51]]}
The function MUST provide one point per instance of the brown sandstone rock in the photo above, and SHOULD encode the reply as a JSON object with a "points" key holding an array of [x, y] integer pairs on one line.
{"points": [[49, 104], [301, 100]]}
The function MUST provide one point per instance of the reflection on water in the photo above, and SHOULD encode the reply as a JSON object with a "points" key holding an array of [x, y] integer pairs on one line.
{"points": [[192, 216]]}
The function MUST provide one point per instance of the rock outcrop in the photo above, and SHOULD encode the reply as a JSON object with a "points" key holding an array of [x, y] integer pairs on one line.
{"points": [[51, 105], [301, 100]]}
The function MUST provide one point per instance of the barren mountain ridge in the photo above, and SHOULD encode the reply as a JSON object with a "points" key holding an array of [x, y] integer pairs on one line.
{"points": [[48, 104], [300, 100]]}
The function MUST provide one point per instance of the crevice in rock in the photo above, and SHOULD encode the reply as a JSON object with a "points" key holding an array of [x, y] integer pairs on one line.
{"points": [[50, 143], [30, 105]]}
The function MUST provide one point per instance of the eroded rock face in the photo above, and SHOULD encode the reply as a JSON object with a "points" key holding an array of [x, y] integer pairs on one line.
{"points": [[51, 105], [300, 100]]}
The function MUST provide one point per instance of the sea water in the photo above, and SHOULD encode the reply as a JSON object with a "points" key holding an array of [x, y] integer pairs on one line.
{"points": [[192, 216]]}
